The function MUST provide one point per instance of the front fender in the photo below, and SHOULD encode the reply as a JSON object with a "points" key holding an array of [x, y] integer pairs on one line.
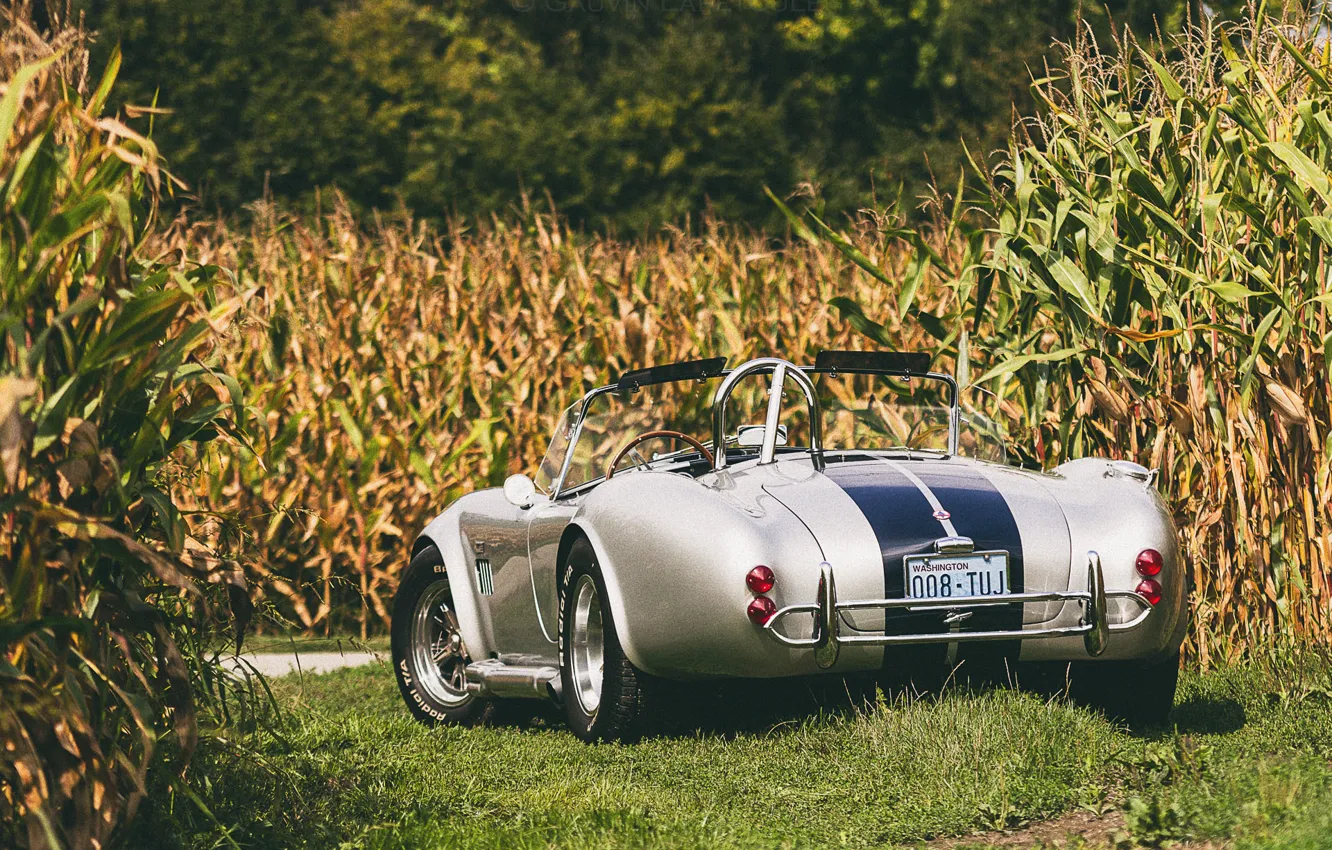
{"points": [[473, 617]]}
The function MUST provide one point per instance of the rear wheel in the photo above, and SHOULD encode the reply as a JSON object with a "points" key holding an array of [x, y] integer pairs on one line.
{"points": [[429, 657], [1136, 692], [604, 694]]}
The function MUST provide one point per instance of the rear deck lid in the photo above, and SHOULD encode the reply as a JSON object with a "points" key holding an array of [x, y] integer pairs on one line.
{"points": [[911, 503]]}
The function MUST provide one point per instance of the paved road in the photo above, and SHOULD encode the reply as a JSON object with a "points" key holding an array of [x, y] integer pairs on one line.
{"points": [[282, 663]]}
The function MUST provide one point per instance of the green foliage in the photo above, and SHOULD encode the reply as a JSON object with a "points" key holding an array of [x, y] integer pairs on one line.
{"points": [[105, 395], [260, 99], [626, 114], [1145, 276], [895, 86], [1164, 232], [351, 766]]}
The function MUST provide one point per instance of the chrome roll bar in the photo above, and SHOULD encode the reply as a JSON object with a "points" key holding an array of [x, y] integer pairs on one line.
{"points": [[781, 370], [827, 638]]}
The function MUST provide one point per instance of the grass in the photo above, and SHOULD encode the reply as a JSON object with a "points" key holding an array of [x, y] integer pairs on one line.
{"points": [[1247, 761]]}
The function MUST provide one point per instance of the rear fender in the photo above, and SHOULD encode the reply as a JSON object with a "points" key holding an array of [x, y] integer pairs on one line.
{"points": [[610, 577], [674, 555]]}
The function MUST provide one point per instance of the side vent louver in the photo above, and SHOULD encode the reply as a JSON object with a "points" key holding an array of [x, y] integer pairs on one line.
{"points": [[485, 579]]}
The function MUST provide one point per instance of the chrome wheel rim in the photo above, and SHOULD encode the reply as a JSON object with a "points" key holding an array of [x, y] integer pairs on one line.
{"points": [[587, 648], [439, 658]]}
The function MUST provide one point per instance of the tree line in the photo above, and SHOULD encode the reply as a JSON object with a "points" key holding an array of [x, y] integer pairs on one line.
{"points": [[626, 114]]}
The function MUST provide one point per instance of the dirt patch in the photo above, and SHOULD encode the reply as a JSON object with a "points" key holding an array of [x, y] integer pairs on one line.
{"points": [[1079, 830]]}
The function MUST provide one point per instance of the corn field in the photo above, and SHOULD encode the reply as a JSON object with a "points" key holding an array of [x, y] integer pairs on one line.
{"points": [[1142, 276], [1161, 247], [395, 367]]}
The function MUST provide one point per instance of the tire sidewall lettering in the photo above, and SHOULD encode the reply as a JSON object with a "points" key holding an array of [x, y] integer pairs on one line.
{"points": [[569, 575], [565, 581]]}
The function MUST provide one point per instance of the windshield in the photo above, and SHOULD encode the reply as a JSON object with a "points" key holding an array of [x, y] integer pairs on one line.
{"points": [[883, 413], [614, 419], [549, 470], [859, 412]]}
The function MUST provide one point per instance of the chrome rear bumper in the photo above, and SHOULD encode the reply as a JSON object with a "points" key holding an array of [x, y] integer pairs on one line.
{"points": [[827, 639]]}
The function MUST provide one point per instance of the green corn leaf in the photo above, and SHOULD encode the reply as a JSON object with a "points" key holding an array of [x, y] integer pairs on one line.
{"points": [[1258, 344], [98, 99], [797, 223], [1305, 170], [139, 323], [49, 418], [1141, 185], [1073, 280], [1240, 109], [962, 374], [1256, 218], [21, 167], [854, 315], [349, 426], [1232, 291], [1173, 89], [422, 469], [853, 253], [14, 93], [1320, 226], [1015, 363], [916, 271], [933, 325], [168, 517], [987, 278], [1299, 56]]}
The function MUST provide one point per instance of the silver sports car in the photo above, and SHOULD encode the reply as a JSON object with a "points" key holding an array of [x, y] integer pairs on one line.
{"points": [[691, 522]]}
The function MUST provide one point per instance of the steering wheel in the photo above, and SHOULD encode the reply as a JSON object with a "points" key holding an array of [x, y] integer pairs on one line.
{"points": [[652, 435]]}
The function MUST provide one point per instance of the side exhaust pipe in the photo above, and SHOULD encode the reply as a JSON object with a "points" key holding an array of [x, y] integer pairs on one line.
{"points": [[494, 678]]}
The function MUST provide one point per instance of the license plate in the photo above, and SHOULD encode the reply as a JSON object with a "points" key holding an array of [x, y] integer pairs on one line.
{"points": [[957, 576]]}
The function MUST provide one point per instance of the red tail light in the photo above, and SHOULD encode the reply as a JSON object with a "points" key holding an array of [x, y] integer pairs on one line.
{"points": [[1149, 563], [761, 609], [760, 579], [1150, 589]]}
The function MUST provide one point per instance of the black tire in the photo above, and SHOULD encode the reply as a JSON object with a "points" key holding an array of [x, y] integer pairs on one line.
{"points": [[619, 709], [434, 696], [1139, 693]]}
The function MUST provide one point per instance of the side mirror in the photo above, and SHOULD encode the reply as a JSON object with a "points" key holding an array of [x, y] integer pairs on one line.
{"points": [[520, 491]]}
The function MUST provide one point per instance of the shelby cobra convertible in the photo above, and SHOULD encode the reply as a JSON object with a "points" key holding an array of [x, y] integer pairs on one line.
{"points": [[848, 529]]}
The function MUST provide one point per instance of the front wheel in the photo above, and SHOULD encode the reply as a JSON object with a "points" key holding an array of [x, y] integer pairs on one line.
{"points": [[604, 694], [429, 657]]}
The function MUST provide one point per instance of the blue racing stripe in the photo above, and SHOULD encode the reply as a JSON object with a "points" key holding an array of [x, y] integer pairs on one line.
{"points": [[904, 522]]}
